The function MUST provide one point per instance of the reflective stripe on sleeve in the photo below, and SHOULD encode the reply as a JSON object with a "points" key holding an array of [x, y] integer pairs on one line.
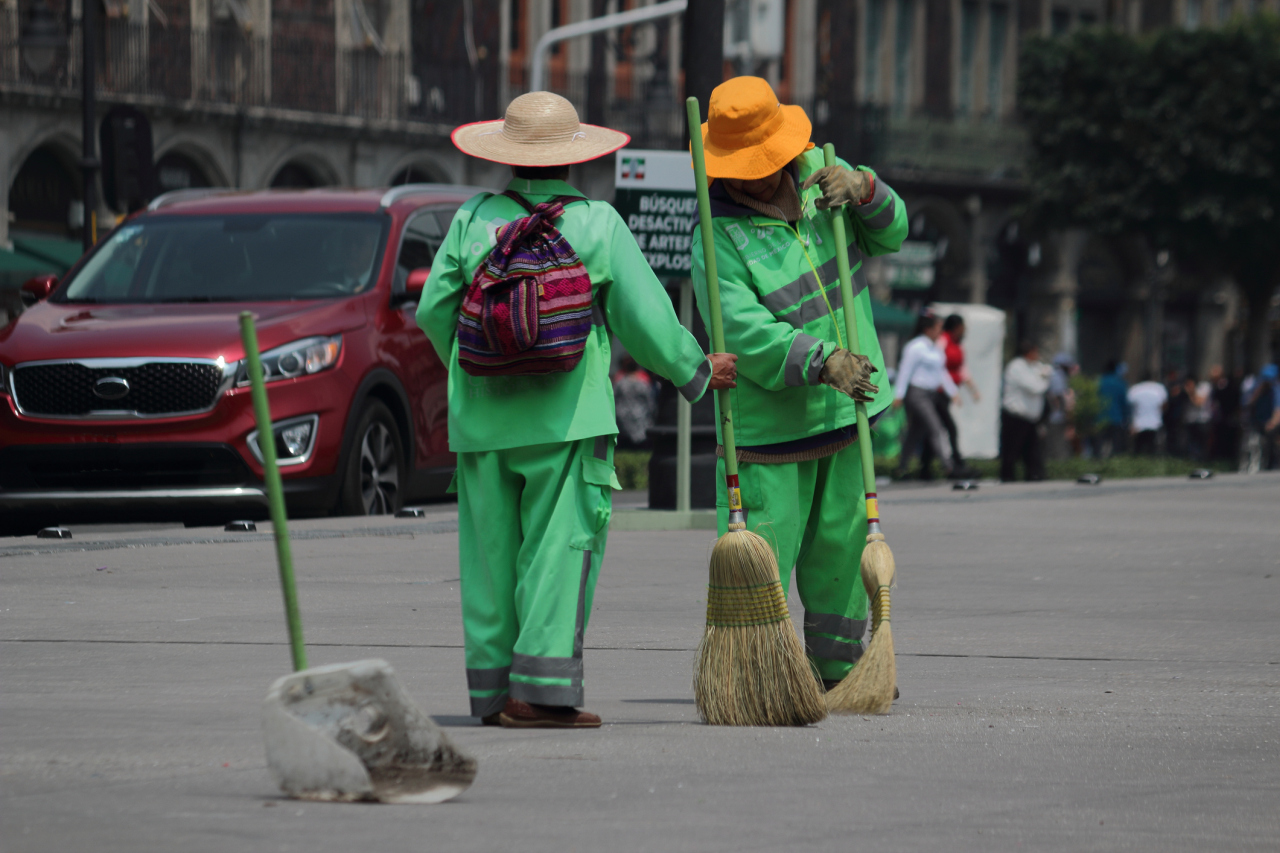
{"points": [[693, 389], [876, 213], [799, 365]]}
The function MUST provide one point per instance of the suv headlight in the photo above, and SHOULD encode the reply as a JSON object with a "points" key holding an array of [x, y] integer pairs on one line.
{"points": [[300, 358]]}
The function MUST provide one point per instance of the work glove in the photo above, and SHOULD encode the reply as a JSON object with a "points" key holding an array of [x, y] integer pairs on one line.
{"points": [[839, 186], [849, 373]]}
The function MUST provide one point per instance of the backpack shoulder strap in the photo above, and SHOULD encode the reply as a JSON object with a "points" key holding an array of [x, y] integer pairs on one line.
{"points": [[518, 199], [524, 202]]}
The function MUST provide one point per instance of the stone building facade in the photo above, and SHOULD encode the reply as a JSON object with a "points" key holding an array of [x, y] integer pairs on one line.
{"points": [[262, 93]]}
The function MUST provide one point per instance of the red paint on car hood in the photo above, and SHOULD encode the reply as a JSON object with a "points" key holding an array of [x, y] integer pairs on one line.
{"points": [[69, 330]]}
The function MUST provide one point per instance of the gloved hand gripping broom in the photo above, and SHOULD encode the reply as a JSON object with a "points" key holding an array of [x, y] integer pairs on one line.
{"points": [[868, 689], [751, 670]]}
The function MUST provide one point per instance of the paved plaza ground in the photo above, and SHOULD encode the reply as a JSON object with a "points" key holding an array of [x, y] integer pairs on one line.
{"points": [[1082, 668]]}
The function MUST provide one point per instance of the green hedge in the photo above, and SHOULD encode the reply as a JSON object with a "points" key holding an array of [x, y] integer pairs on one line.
{"points": [[1115, 468], [633, 468]]}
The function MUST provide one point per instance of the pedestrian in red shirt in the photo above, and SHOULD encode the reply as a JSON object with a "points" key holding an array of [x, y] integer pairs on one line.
{"points": [[949, 341]]}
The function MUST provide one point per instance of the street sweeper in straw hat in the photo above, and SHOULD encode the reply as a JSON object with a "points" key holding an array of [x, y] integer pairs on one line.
{"points": [[773, 204], [520, 304]]}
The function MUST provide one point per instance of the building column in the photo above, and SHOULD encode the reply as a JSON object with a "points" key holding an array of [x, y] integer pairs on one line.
{"points": [[199, 48], [260, 17], [979, 224], [1065, 286]]}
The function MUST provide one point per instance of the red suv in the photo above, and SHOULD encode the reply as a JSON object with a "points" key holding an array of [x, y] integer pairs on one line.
{"points": [[123, 390]]}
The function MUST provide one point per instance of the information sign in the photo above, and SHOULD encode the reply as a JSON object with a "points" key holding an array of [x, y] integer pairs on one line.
{"points": [[656, 198]]}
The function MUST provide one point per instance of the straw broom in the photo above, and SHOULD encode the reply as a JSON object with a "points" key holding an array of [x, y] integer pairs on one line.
{"points": [[751, 669], [869, 688]]}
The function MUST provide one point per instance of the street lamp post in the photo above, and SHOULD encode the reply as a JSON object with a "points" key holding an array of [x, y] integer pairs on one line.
{"points": [[89, 162]]}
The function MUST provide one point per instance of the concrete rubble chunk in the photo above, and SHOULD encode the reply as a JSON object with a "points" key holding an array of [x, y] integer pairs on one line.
{"points": [[348, 732]]}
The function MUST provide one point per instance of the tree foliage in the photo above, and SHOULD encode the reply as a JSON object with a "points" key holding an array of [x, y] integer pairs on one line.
{"points": [[1175, 136]]}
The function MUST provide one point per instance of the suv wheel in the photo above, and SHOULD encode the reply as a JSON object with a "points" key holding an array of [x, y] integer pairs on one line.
{"points": [[374, 474]]}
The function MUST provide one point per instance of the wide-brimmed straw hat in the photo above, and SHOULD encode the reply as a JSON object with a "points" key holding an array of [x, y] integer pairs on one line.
{"points": [[748, 134], [540, 129]]}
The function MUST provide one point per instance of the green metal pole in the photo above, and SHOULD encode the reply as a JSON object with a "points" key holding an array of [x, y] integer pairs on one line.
{"points": [[851, 329], [737, 520], [275, 491]]}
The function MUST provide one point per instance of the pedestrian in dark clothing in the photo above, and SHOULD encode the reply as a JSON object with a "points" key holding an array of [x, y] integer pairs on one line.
{"points": [[1025, 382], [1225, 425], [1261, 414], [1198, 415], [1175, 415], [1114, 419]]}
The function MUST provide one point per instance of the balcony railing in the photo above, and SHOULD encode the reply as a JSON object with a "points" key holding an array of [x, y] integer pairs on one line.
{"points": [[220, 65], [225, 65]]}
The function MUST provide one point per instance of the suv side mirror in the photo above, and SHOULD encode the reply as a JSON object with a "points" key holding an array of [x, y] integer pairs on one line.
{"points": [[416, 281], [38, 288]]}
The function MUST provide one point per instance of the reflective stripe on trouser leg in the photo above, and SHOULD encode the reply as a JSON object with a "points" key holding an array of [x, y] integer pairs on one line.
{"points": [[488, 688], [830, 648], [838, 638], [814, 515], [556, 680], [828, 576], [565, 518], [488, 544]]}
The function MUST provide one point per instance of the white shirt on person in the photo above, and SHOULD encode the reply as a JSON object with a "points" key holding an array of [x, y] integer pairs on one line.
{"points": [[1147, 400], [924, 365], [1025, 383]]}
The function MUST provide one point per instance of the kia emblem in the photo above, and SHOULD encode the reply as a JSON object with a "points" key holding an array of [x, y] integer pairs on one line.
{"points": [[111, 387]]}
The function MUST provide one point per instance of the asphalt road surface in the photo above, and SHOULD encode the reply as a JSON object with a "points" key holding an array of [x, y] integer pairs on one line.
{"points": [[1082, 668]]}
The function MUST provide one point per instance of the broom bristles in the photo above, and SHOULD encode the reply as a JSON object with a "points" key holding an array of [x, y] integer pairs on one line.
{"points": [[868, 689], [752, 669]]}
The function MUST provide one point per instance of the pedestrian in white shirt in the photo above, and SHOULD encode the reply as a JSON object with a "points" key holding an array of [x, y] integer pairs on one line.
{"points": [[922, 372], [1025, 382], [1147, 400]]}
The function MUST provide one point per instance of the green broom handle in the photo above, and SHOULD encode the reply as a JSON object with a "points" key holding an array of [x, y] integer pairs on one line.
{"points": [[275, 491], [851, 329], [713, 299]]}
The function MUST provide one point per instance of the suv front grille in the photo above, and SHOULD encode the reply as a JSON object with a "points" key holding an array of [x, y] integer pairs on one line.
{"points": [[156, 388], [121, 466]]}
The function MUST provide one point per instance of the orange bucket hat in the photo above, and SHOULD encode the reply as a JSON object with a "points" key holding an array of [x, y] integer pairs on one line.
{"points": [[748, 135]]}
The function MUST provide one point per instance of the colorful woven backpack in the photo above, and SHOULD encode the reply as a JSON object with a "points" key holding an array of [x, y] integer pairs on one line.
{"points": [[528, 309]]}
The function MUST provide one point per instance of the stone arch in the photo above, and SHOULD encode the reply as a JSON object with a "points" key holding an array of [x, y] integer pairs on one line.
{"points": [[45, 185], [186, 163], [300, 168], [414, 168]]}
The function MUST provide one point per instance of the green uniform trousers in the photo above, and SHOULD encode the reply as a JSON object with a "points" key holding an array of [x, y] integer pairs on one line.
{"points": [[814, 515], [532, 523]]}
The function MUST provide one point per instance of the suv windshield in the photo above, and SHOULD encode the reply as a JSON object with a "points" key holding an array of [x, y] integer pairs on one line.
{"points": [[233, 258]]}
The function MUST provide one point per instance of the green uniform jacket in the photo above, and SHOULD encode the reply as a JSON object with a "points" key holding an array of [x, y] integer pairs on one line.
{"points": [[773, 280], [500, 412]]}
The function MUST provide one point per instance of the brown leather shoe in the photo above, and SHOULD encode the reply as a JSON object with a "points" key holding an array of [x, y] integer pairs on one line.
{"points": [[525, 715]]}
